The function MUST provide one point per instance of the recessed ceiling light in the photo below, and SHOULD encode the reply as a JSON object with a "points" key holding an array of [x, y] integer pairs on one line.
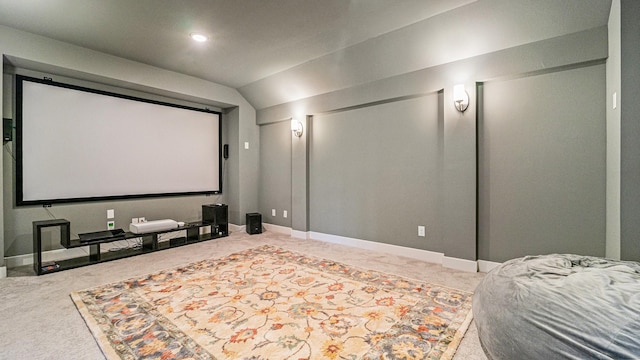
{"points": [[199, 37]]}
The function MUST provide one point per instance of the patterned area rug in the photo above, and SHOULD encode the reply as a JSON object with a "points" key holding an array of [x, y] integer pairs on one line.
{"points": [[272, 303]]}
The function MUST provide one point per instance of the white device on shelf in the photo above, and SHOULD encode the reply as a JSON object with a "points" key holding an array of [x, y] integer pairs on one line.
{"points": [[152, 226]]}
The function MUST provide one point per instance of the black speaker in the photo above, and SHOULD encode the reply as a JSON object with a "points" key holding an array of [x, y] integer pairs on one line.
{"points": [[254, 223], [216, 215], [7, 129]]}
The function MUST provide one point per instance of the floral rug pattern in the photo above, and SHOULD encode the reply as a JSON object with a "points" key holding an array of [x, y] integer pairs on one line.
{"points": [[272, 303]]}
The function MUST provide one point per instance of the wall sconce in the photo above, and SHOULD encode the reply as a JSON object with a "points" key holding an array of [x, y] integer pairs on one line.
{"points": [[296, 127], [460, 98]]}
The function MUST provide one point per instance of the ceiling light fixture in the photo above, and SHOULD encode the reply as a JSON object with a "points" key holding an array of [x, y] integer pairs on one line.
{"points": [[199, 37]]}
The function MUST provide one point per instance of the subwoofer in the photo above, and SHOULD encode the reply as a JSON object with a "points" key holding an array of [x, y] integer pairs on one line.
{"points": [[254, 223]]}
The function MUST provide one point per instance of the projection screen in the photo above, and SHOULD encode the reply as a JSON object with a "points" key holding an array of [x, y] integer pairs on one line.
{"points": [[79, 144]]}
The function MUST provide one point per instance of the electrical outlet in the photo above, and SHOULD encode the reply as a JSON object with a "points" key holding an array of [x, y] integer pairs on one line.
{"points": [[421, 231], [273, 212], [134, 220], [142, 219], [284, 213], [111, 225]]}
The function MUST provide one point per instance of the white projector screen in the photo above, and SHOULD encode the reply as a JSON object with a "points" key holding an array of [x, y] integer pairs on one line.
{"points": [[78, 144]]}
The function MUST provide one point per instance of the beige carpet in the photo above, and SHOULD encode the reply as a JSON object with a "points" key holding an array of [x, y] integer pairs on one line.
{"points": [[40, 322]]}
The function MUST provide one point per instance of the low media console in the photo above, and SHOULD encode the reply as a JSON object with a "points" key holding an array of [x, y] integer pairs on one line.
{"points": [[192, 233]]}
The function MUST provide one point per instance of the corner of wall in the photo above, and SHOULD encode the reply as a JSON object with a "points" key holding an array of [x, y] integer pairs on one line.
{"points": [[613, 126]]}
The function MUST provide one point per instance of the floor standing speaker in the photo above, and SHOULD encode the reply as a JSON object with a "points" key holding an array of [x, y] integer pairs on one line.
{"points": [[254, 223], [216, 215]]}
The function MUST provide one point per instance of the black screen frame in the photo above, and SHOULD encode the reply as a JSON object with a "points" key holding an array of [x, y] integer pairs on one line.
{"points": [[19, 184]]}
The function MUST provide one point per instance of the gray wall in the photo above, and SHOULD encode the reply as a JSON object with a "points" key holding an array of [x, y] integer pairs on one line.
{"points": [[374, 173], [231, 188], [300, 176], [275, 172], [630, 131], [542, 165], [372, 180]]}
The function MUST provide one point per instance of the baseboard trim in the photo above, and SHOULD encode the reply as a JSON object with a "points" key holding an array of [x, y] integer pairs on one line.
{"points": [[3, 272], [237, 228], [18, 260], [424, 255], [50, 255], [460, 264], [300, 234], [485, 266], [278, 229]]}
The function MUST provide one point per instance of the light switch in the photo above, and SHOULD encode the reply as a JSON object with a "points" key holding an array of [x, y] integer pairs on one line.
{"points": [[110, 214], [284, 213], [615, 100], [421, 230], [273, 212], [246, 145]]}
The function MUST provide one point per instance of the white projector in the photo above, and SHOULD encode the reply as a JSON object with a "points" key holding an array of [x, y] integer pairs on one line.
{"points": [[153, 226]]}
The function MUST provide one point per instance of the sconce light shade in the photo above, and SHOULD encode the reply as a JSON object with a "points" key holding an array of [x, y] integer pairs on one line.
{"points": [[296, 127], [460, 97]]}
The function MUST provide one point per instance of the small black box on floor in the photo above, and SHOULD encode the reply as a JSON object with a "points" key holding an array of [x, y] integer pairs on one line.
{"points": [[254, 223]]}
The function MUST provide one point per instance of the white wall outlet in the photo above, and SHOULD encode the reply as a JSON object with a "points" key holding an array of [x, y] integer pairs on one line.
{"points": [[421, 231], [273, 212], [142, 219], [110, 214], [284, 213], [134, 220], [111, 225]]}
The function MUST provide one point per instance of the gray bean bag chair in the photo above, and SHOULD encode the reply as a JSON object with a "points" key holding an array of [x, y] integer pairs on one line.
{"points": [[560, 307]]}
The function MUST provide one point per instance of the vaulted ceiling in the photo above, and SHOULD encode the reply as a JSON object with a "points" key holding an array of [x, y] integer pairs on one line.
{"points": [[277, 51]]}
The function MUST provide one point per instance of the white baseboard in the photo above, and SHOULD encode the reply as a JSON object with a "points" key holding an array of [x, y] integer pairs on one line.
{"points": [[18, 260], [286, 231], [234, 227], [485, 266], [460, 264], [277, 228], [300, 234], [3, 272], [51, 255], [424, 255]]}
